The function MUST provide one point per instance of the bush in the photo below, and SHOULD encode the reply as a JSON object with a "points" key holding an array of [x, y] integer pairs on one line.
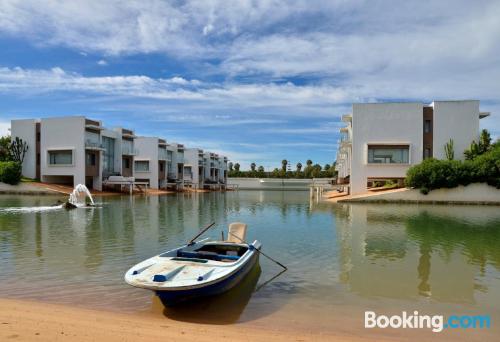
{"points": [[434, 174], [10, 172]]}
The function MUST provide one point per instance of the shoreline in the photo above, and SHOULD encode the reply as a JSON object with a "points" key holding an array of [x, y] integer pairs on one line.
{"points": [[28, 320], [473, 194]]}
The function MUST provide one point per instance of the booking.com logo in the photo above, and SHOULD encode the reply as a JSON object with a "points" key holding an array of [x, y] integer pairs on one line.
{"points": [[417, 321]]}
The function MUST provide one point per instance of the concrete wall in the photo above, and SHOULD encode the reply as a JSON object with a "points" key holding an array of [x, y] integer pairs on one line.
{"points": [[384, 123], [458, 120], [270, 183], [477, 192], [26, 130], [66, 133], [148, 150]]}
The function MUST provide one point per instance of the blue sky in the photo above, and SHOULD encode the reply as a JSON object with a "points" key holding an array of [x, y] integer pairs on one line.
{"points": [[258, 81]]}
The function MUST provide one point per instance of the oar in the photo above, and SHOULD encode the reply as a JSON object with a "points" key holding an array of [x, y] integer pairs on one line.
{"points": [[258, 250], [191, 242]]}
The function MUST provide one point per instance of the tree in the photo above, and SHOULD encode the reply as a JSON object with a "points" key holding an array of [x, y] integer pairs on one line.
{"points": [[316, 171], [5, 149], [449, 150], [284, 163], [230, 166], [18, 149], [309, 162], [260, 169], [237, 167], [484, 141], [299, 167], [476, 149], [327, 167], [252, 167]]}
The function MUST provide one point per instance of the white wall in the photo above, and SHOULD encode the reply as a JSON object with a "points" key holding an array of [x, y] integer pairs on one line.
{"points": [[476, 192], [384, 123], [191, 158], [26, 130], [148, 150], [458, 120], [66, 133]]}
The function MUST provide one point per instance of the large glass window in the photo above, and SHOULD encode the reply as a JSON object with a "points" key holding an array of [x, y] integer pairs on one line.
{"points": [[108, 163], [141, 165], [63, 157], [388, 154]]}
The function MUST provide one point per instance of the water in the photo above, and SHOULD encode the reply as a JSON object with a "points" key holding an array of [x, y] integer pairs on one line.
{"points": [[342, 259]]}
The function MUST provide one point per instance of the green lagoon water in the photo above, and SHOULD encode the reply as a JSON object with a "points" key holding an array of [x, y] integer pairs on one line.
{"points": [[342, 259]]}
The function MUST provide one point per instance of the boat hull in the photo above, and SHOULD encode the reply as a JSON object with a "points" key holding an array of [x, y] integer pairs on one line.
{"points": [[173, 297]]}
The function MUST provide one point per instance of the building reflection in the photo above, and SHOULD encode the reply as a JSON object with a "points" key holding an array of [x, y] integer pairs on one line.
{"points": [[440, 252]]}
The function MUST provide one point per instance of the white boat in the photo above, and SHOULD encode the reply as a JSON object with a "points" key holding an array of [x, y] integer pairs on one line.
{"points": [[203, 268]]}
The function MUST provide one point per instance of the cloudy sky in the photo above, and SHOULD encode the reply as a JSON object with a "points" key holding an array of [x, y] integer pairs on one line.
{"points": [[256, 80]]}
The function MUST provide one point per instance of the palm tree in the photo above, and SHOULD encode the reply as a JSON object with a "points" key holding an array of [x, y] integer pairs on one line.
{"points": [[237, 167], [326, 167], [230, 166], [261, 168], [299, 167], [284, 163], [309, 162], [252, 167]]}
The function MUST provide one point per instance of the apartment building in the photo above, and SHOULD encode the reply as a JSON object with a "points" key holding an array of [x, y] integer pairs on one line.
{"points": [[194, 168], [176, 169], [73, 150], [152, 162], [77, 150], [382, 140]]}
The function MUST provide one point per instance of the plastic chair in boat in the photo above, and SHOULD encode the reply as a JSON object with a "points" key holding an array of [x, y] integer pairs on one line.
{"points": [[237, 232]]}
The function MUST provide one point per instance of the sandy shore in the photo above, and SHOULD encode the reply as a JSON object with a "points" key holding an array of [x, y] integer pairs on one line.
{"points": [[33, 321]]}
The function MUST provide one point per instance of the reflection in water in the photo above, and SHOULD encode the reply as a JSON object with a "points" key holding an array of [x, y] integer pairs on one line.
{"points": [[338, 255], [410, 251], [222, 309]]}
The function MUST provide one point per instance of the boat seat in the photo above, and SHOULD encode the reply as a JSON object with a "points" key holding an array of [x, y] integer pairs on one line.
{"points": [[206, 255], [237, 232]]}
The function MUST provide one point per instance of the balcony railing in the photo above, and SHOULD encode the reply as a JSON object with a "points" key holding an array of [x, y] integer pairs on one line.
{"points": [[129, 151], [93, 145]]}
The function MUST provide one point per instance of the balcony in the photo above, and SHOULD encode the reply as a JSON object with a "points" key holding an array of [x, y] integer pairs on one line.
{"points": [[93, 145], [129, 151]]}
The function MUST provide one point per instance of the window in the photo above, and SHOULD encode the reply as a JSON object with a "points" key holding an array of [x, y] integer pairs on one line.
{"points": [[427, 126], [126, 163], [108, 165], [142, 166], [161, 167], [388, 154], [91, 158], [427, 153], [64, 157]]}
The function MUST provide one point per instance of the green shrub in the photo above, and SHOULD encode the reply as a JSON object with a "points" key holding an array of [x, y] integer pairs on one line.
{"points": [[434, 174], [10, 172]]}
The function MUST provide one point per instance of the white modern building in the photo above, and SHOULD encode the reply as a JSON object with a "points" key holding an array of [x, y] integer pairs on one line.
{"points": [[152, 161], [382, 140], [194, 168], [176, 169], [74, 150]]}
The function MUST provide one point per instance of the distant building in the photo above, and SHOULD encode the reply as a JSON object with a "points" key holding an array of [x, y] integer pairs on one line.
{"points": [[382, 140], [194, 168], [151, 164], [77, 150]]}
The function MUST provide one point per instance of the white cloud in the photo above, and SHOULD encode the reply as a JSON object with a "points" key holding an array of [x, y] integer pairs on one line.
{"points": [[102, 62]]}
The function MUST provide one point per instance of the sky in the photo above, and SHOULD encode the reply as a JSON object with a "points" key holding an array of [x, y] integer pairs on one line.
{"points": [[258, 81]]}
